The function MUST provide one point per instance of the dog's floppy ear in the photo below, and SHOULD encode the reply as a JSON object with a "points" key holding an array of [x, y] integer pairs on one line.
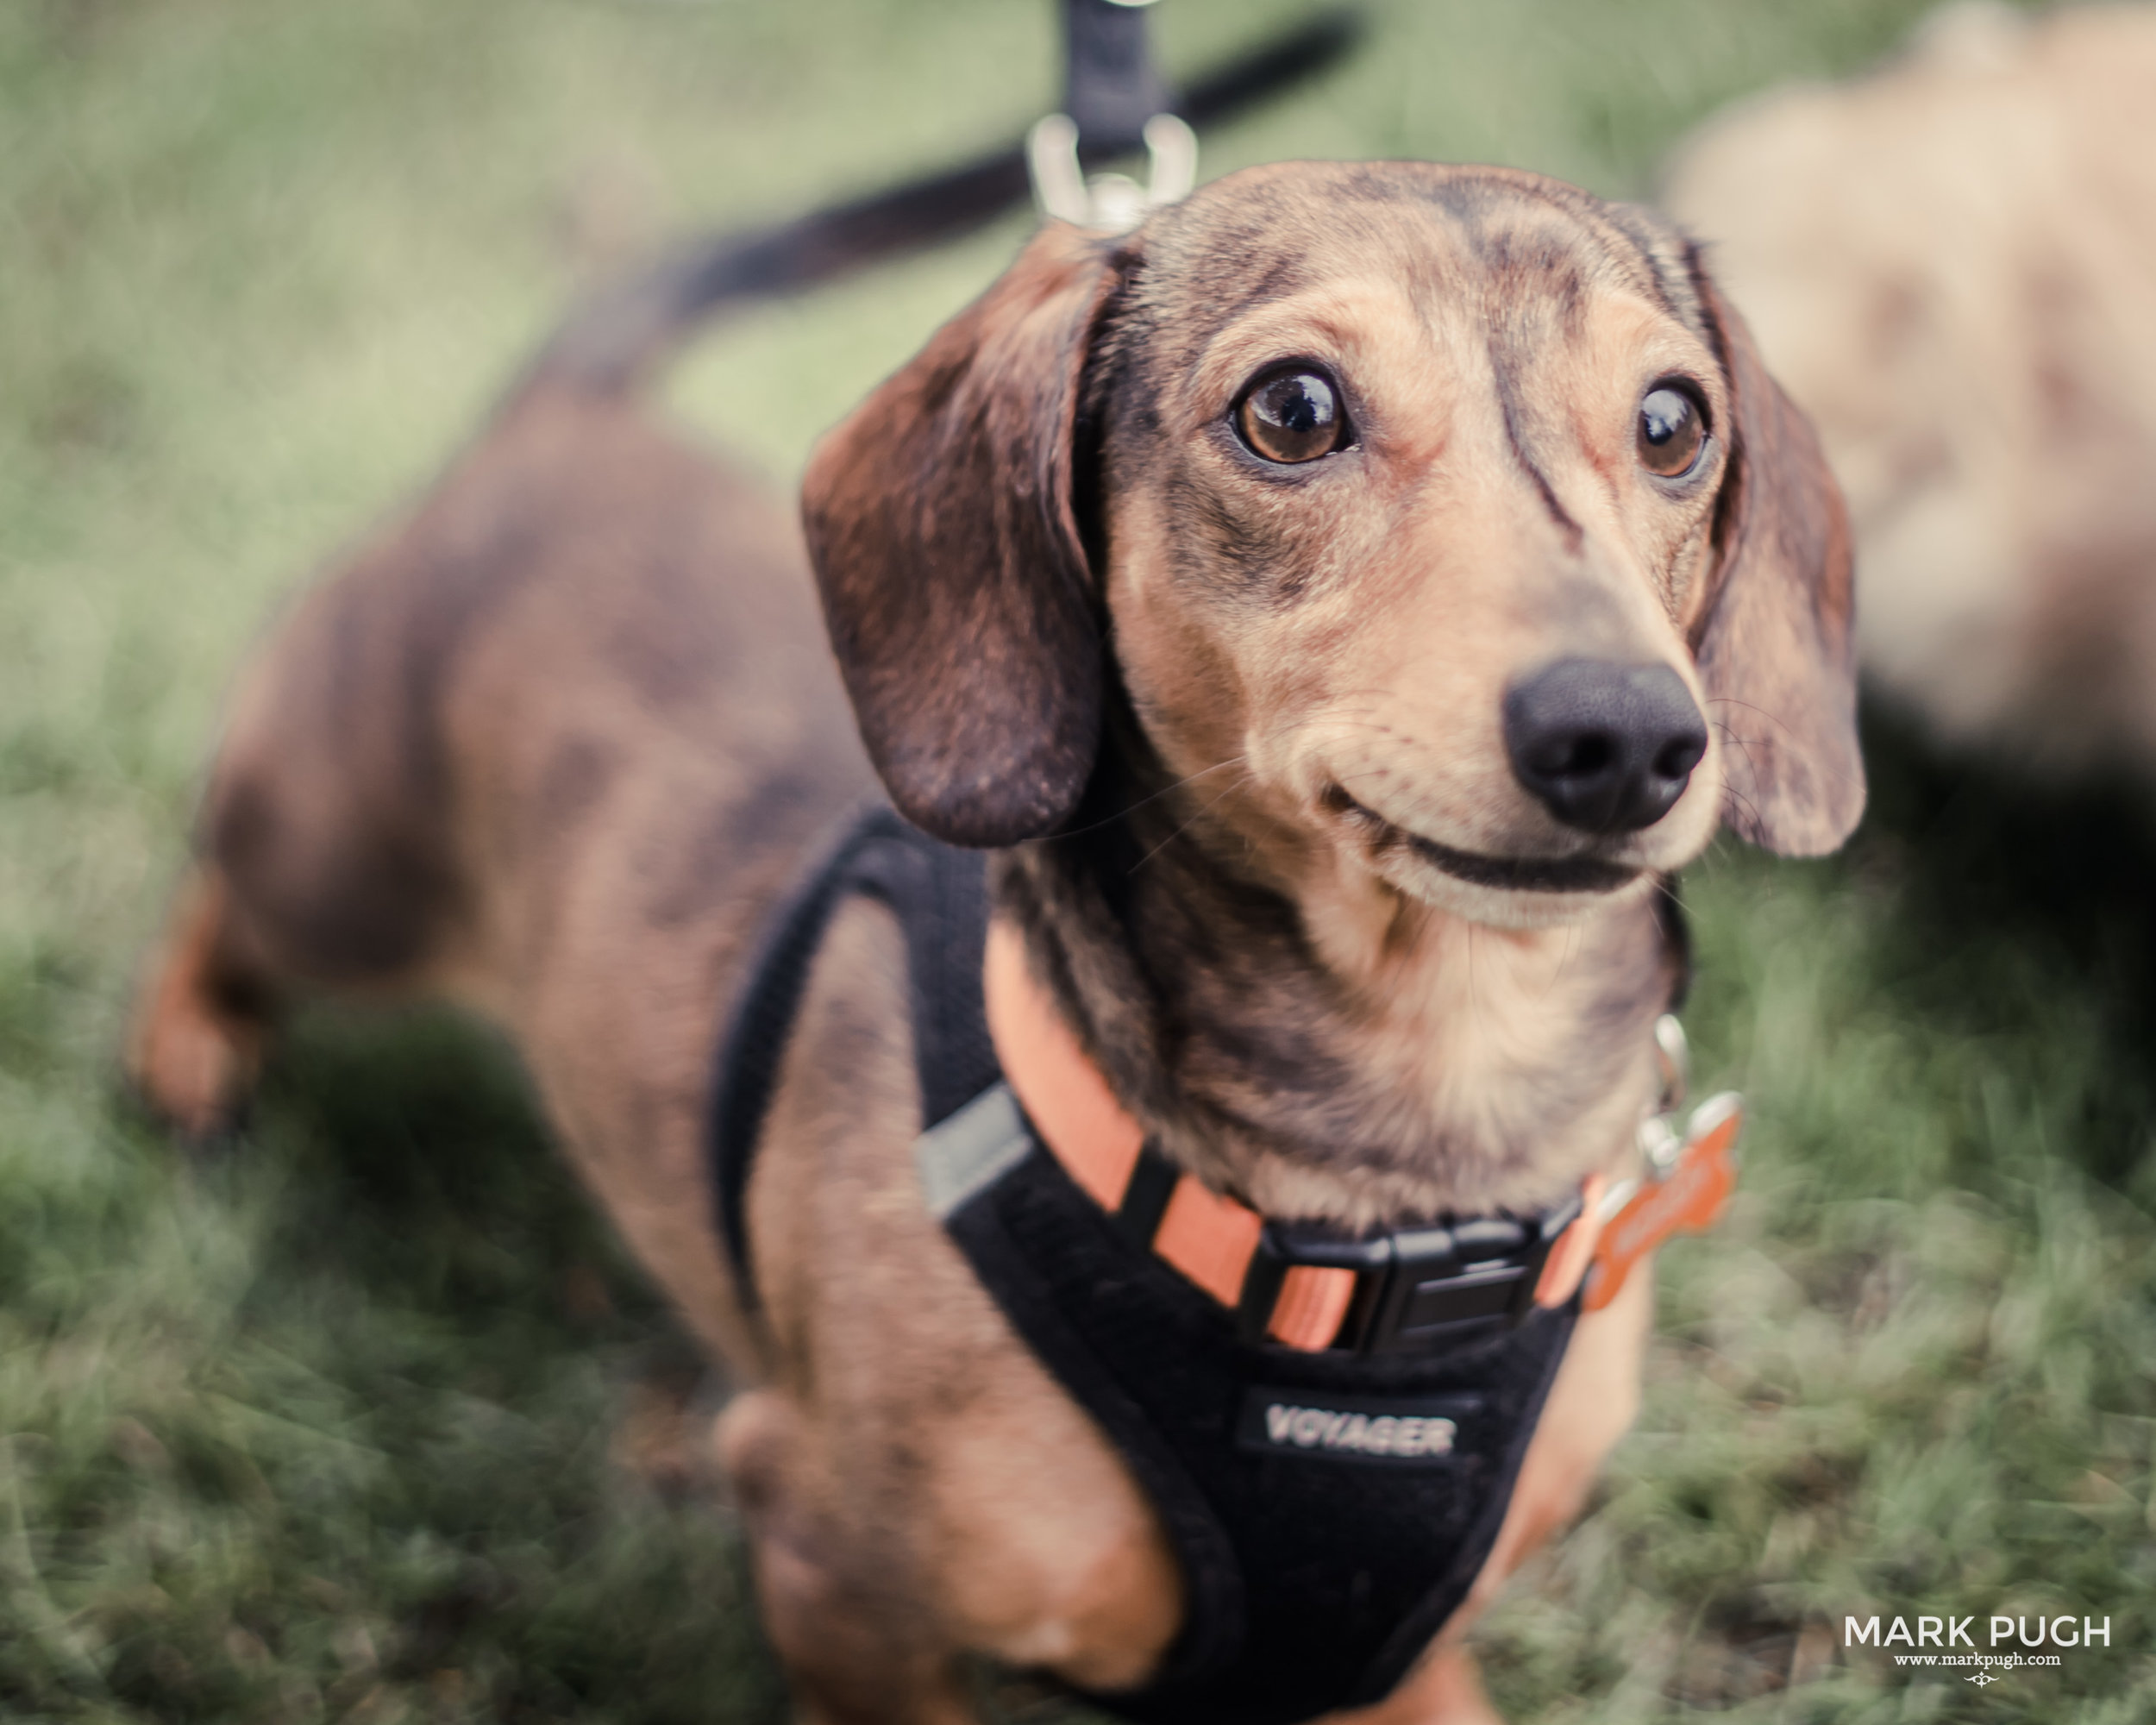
{"points": [[954, 582], [1775, 642]]}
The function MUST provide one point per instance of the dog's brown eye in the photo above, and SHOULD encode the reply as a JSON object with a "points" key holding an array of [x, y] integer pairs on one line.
{"points": [[1672, 431], [1293, 416]]}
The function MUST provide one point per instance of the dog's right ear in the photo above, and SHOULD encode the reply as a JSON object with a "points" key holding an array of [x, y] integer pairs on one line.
{"points": [[954, 582], [1775, 643]]}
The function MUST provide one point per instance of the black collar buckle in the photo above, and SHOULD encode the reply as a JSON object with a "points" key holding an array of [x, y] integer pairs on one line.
{"points": [[1418, 1290]]}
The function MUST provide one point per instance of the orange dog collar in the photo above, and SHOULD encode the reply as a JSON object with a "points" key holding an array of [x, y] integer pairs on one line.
{"points": [[1396, 1291]]}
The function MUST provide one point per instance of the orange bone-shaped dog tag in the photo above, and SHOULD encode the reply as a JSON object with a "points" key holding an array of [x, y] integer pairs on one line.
{"points": [[1686, 1201]]}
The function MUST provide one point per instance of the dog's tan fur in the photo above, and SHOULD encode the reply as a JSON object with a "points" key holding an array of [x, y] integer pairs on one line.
{"points": [[1951, 264], [554, 745]]}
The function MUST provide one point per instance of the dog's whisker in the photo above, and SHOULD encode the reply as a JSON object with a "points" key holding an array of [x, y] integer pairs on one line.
{"points": [[1181, 830], [1575, 941], [1731, 740], [1739, 799], [1153, 797]]}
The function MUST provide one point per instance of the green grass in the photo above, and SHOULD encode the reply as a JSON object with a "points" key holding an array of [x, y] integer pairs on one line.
{"points": [[365, 1417]]}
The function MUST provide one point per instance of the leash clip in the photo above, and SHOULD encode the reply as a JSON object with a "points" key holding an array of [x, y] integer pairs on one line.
{"points": [[1109, 203], [1113, 96]]}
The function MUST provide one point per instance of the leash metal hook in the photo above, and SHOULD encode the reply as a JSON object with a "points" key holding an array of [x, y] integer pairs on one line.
{"points": [[1110, 203], [1113, 98]]}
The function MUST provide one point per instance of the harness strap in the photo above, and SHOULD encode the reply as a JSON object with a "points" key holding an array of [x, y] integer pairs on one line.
{"points": [[940, 903]]}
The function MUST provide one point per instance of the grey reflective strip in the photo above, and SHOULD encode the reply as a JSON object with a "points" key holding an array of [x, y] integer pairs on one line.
{"points": [[969, 1151]]}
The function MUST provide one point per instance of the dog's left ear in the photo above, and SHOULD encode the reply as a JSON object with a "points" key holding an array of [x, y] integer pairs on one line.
{"points": [[954, 582], [1774, 643]]}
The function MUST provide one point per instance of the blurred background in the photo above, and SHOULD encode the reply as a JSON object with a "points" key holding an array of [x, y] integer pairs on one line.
{"points": [[364, 1416]]}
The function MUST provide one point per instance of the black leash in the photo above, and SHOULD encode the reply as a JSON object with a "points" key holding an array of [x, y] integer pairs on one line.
{"points": [[1111, 85], [1111, 88], [939, 896]]}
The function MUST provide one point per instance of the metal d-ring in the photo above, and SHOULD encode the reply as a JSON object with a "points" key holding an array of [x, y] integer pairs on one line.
{"points": [[1661, 1145], [1673, 1055], [1109, 203]]}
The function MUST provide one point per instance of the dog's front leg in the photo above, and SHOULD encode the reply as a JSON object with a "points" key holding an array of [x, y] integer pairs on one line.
{"points": [[201, 1012], [857, 1647]]}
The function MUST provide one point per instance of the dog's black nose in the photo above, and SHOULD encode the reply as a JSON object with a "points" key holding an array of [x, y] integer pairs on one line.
{"points": [[1607, 748]]}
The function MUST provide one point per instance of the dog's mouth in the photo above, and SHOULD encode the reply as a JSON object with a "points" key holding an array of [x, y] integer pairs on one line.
{"points": [[1504, 874]]}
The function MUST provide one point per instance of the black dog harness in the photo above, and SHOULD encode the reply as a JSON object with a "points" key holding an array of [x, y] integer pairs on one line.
{"points": [[1329, 1509]]}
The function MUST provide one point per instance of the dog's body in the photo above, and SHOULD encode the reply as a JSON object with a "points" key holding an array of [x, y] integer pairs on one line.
{"points": [[556, 745], [1950, 262]]}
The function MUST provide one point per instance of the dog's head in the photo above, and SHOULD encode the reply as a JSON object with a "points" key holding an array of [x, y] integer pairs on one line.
{"points": [[1443, 516]]}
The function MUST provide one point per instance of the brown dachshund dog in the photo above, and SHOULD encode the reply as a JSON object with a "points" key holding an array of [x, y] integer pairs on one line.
{"points": [[1317, 597]]}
